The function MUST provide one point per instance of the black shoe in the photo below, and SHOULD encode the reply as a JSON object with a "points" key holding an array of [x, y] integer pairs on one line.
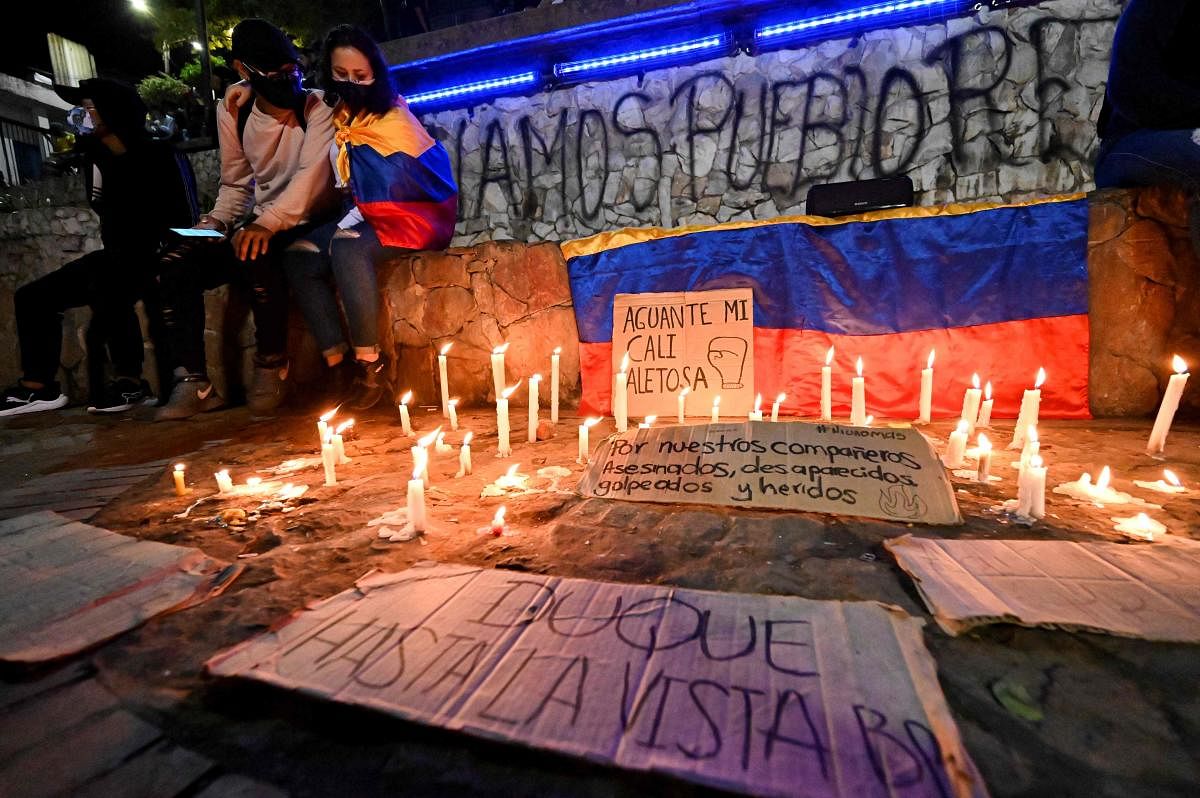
{"points": [[18, 399], [370, 384], [121, 395]]}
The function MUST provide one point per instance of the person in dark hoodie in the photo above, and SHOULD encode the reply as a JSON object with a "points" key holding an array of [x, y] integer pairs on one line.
{"points": [[1150, 123], [139, 188]]}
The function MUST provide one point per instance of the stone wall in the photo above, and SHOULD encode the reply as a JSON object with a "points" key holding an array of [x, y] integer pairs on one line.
{"points": [[999, 106]]}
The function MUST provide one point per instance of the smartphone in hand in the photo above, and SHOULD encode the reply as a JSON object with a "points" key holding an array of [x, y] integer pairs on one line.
{"points": [[194, 232]]}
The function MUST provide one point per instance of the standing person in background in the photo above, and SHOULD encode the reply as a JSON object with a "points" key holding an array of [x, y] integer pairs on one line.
{"points": [[139, 188], [276, 186], [399, 195]]}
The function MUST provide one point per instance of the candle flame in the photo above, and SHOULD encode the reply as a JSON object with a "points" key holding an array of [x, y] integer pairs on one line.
{"points": [[453, 403], [224, 472], [984, 443], [441, 438], [860, 367], [343, 426], [1170, 475], [779, 399], [929, 363], [498, 519], [330, 414], [625, 362], [1035, 461], [1104, 478], [500, 350], [446, 348], [591, 422], [975, 381], [716, 400], [467, 438], [417, 473], [405, 399], [829, 356], [961, 426], [430, 438], [1179, 364], [535, 378], [757, 402], [507, 392], [511, 473], [649, 422], [867, 421], [558, 350], [686, 390], [987, 390], [179, 466], [1041, 378]]}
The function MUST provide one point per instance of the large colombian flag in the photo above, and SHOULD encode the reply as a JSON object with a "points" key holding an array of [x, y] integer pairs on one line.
{"points": [[998, 290]]}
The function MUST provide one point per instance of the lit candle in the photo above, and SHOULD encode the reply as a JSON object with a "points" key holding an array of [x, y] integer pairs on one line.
{"points": [[585, 448], [498, 522], [445, 382], [323, 424], [416, 503], [464, 457], [339, 446], [682, 401], [985, 409], [775, 406], [329, 461], [498, 381], [621, 397], [440, 446], [554, 380], [1030, 450], [1140, 526], [504, 447], [180, 488], [858, 398], [756, 413], [827, 387], [452, 406], [534, 382], [1028, 414], [925, 404], [716, 409], [224, 483], [970, 408], [1170, 485], [648, 422], [1031, 490], [957, 446], [420, 455], [405, 421], [1166, 411], [985, 459]]}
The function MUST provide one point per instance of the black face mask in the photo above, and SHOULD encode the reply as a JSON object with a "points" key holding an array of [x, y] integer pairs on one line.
{"points": [[281, 92], [354, 95]]}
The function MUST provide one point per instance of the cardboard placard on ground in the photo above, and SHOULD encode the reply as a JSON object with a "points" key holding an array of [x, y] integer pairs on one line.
{"points": [[829, 468], [772, 695], [66, 585], [701, 339], [1151, 592]]}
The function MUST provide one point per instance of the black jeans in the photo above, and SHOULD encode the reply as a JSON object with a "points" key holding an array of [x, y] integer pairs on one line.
{"points": [[108, 282], [190, 268]]}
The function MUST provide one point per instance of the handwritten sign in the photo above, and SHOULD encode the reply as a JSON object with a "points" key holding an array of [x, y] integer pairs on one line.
{"points": [[698, 339], [828, 468], [771, 695]]}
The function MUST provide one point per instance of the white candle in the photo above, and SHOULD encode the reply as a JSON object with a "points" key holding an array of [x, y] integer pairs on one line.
{"points": [[858, 398], [925, 403], [984, 470], [957, 446], [682, 401], [1140, 526], [534, 382], [224, 483], [585, 448], [329, 461], [504, 447], [339, 445], [420, 454], [970, 408], [1028, 414], [716, 409], [464, 457], [440, 446], [775, 406], [1170, 483], [323, 424], [498, 380], [405, 421], [985, 409], [180, 487], [445, 383], [1035, 490], [621, 397], [497, 525], [827, 387], [452, 406], [648, 422], [416, 503], [1166, 411], [554, 380], [756, 413], [1031, 448]]}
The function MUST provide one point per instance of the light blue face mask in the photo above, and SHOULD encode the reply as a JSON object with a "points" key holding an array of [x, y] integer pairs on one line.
{"points": [[79, 121]]}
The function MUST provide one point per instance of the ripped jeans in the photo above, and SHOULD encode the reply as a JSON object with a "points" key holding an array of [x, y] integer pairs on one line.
{"points": [[348, 264]]}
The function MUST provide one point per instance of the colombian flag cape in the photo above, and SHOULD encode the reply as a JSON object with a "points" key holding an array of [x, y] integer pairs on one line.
{"points": [[997, 290], [399, 175]]}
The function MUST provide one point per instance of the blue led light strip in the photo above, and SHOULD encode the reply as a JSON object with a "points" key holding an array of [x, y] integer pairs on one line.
{"points": [[640, 56], [829, 20], [478, 87]]}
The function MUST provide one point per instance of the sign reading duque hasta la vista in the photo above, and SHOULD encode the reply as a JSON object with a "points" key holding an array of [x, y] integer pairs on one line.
{"points": [[874, 472]]}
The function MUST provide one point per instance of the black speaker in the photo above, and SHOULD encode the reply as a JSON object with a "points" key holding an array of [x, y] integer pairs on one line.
{"points": [[859, 196]]}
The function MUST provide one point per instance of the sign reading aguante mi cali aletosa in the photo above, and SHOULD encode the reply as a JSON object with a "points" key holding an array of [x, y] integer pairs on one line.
{"points": [[874, 472]]}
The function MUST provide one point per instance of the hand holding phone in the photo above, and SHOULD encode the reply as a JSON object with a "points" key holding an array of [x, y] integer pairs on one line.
{"points": [[197, 232]]}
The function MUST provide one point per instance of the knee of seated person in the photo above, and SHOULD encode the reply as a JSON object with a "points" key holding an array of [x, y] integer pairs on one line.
{"points": [[346, 232], [303, 245]]}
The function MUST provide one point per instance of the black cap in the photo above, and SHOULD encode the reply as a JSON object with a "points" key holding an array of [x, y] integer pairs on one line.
{"points": [[118, 104], [262, 45]]}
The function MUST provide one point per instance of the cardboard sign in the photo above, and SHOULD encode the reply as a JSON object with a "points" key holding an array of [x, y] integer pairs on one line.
{"points": [[828, 468], [770, 695], [702, 339], [1133, 591]]}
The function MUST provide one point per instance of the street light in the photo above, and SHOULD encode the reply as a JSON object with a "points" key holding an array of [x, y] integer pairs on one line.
{"points": [[140, 6]]}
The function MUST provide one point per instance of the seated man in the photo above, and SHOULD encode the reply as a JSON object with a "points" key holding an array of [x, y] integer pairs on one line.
{"points": [[139, 188], [276, 185], [1150, 123]]}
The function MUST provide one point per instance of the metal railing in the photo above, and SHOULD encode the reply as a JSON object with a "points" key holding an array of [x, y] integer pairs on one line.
{"points": [[23, 148]]}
